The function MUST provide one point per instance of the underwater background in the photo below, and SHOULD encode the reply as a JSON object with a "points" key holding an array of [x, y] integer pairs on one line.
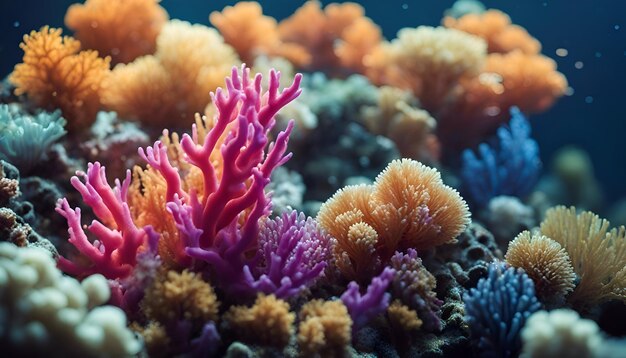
{"points": [[593, 33], [379, 179]]}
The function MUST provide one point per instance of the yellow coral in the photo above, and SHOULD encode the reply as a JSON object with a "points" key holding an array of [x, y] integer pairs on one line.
{"points": [[598, 255], [244, 27], [325, 329], [122, 29], [180, 295], [429, 61], [408, 206], [545, 262], [495, 27], [268, 322], [174, 84], [55, 75], [403, 317]]}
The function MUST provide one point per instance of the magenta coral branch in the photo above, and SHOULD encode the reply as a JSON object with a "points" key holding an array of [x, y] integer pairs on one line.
{"points": [[363, 308], [113, 253]]}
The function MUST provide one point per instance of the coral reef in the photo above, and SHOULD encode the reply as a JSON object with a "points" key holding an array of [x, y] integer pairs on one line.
{"points": [[363, 308], [545, 262], [598, 255], [44, 311], [121, 29], [56, 75], [325, 328]]}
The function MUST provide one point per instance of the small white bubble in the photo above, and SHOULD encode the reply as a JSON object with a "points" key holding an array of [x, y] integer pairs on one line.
{"points": [[578, 65], [405, 6], [588, 99], [16, 24], [616, 27], [561, 52], [569, 91]]}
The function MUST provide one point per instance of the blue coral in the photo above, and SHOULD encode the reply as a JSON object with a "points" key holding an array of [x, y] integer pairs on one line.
{"points": [[510, 167], [497, 309], [24, 139]]}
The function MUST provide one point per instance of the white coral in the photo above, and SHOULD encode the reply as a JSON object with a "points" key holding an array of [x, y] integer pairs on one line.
{"points": [[560, 333], [44, 311]]}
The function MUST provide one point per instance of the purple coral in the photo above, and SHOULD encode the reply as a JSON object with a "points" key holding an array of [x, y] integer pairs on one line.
{"points": [[414, 286], [293, 253], [363, 308]]}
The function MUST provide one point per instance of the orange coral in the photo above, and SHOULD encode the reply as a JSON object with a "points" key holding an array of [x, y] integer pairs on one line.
{"points": [[122, 29], [55, 75], [325, 329], [495, 27], [340, 35], [402, 317], [251, 34], [173, 84], [530, 82], [408, 206], [268, 322]]}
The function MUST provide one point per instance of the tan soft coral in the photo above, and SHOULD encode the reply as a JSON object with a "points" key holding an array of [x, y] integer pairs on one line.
{"points": [[252, 34], [180, 295], [408, 206], [338, 36], [325, 329], [429, 61], [54, 74], [268, 322], [122, 29], [166, 89], [496, 28], [598, 254], [398, 118]]}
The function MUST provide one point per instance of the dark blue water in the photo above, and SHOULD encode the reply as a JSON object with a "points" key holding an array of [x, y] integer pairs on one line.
{"points": [[593, 32]]}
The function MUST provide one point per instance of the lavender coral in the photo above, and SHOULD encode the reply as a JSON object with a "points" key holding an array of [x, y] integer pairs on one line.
{"points": [[497, 309], [293, 252], [363, 308], [510, 168]]}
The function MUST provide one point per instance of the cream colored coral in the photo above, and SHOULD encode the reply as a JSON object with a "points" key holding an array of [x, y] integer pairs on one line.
{"points": [[325, 329], [560, 333], [427, 60], [44, 311], [545, 262], [597, 253]]}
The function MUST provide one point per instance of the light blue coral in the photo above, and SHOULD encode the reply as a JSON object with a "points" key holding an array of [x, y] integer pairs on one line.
{"points": [[25, 139]]}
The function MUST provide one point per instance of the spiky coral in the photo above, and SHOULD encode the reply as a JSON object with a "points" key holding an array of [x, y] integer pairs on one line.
{"points": [[545, 262], [325, 328], [25, 139], [174, 83], [340, 35], [598, 255], [54, 74], [408, 206], [497, 309], [496, 28], [252, 34], [122, 29], [428, 61], [268, 322]]}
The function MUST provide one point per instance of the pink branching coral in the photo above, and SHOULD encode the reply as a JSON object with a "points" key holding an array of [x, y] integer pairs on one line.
{"points": [[114, 253], [221, 227]]}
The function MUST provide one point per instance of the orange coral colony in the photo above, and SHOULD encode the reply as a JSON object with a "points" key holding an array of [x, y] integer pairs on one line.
{"points": [[122, 29], [54, 74], [246, 29], [338, 36], [408, 206]]}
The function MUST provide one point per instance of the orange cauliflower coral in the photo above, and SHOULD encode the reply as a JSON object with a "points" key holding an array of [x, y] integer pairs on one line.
{"points": [[244, 27], [122, 29], [340, 35], [54, 74], [268, 322], [408, 206], [173, 84], [495, 27], [429, 61], [325, 329], [598, 254]]}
